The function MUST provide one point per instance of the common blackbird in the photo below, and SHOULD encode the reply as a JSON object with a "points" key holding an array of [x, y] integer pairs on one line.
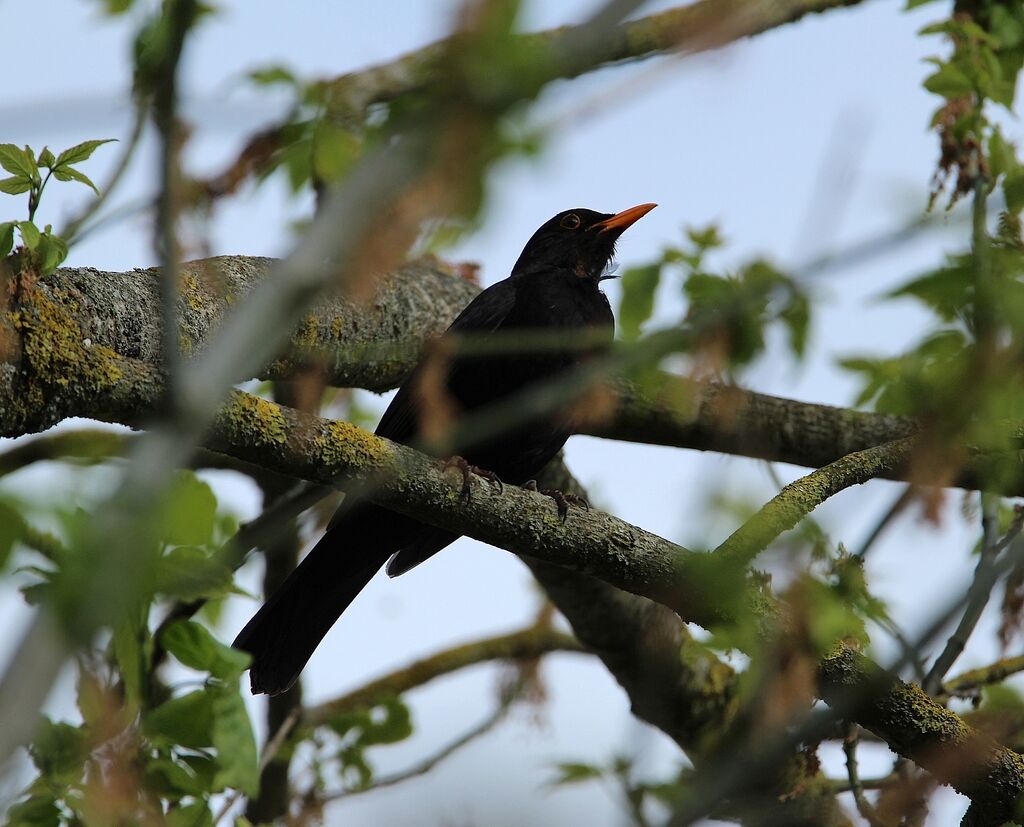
{"points": [[553, 287]]}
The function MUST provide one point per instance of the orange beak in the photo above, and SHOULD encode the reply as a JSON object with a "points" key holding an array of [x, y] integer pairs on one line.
{"points": [[620, 221]]}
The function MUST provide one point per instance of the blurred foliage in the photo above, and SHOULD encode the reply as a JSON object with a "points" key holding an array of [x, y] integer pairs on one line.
{"points": [[728, 313]]}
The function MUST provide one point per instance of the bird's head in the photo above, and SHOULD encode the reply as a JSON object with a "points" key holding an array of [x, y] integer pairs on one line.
{"points": [[579, 240]]}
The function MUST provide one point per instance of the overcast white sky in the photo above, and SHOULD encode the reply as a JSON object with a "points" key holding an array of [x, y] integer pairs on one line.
{"points": [[798, 142]]}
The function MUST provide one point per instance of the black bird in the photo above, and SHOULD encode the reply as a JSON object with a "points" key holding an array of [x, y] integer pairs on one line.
{"points": [[554, 286]]}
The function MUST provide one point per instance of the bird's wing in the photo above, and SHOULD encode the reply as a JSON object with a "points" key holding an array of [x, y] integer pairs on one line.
{"points": [[485, 314]]}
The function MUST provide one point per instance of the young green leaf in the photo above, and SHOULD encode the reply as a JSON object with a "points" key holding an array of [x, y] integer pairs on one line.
{"points": [[188, 573], [235, 743], [29, 234], [639, 284], [186, 721], [15, 185], [6, 238], [46, 158], [195, 647], [80, 152], [19, 161], [72, 174], [189, 511]]}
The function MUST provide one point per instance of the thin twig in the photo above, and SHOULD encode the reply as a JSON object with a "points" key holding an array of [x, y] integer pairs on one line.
{"points": [[429, 763], [864, 806], [71, 232], [984, 675], [985, 577], [894, 510]]}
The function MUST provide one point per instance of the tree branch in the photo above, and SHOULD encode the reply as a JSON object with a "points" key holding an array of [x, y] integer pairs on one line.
{"points": [[83, 344], [697, 27], [526, 643]]}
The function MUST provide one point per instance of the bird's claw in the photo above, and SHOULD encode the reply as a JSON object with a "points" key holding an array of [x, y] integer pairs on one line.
{"points": [[562, 501], [467, 472]]}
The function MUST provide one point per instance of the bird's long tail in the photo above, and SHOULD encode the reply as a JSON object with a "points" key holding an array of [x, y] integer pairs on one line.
{"points": [[282, 636]]}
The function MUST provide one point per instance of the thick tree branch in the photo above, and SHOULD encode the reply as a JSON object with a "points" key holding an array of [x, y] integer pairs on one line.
{"points": [[84, 344], [600, 545]]}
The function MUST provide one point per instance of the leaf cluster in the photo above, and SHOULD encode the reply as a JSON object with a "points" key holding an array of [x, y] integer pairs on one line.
{"points": [[45, 250], [728, 313]]}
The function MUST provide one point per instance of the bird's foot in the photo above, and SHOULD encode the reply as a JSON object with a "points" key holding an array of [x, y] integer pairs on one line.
{"points": [[467, 472], [562, 501]]}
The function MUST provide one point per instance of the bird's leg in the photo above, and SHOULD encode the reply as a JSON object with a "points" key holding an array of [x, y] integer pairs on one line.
{"points": [[467, 471], [562, 501]]}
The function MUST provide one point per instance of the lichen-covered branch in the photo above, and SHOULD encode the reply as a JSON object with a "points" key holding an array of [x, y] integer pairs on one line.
{"points": [[802, 496], [84, 343], [527, 643], [696, 27], [916, 727], [590, 543]]}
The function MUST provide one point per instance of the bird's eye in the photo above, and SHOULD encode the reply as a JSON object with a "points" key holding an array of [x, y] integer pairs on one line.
{"points": [[571, 221]]}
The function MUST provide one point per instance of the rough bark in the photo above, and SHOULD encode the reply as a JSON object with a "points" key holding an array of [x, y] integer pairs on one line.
{"points": [[84, 343]]}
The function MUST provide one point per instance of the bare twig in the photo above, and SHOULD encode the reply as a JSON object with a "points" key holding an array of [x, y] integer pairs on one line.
{"points": [[856, 787], [427, 764], [71, 232], [531, 642], [894, 510], [986, 573]]}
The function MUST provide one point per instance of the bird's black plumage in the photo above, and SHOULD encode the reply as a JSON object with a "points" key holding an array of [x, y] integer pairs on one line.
{"points": [[554, 286]]}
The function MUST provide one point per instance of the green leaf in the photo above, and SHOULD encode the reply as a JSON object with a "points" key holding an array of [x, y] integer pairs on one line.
{"points": [[116, 7], [59, 750], [196, 814], [189, 573], [19, 161], [1001, 156], [639, 285], [37, 811], [186, 721], [237, 758], [51, 252], [12, 527], [29, 234], [46, 158], [1007, 29], [6, 238], [705, 238], [72, 174], [195, 647], [574, 772], [189, 511], [335, 150], [947, 290], [1013, 190], [797, 317], [271, 75], [174, 780], [129, 647], [15, 185], [949, 82], [80, 152]]}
